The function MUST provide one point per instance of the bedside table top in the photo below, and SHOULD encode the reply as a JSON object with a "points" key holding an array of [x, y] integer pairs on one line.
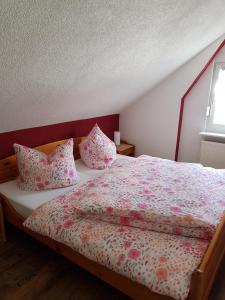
{"points": [[123, 147]]}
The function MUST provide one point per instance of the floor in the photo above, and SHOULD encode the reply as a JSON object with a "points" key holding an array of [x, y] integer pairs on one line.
{"points": [[30, 271]]}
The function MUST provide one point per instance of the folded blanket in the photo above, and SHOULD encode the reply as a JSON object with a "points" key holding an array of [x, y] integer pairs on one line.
{"points": [[139, 197], [162, 262], [149, 193]]}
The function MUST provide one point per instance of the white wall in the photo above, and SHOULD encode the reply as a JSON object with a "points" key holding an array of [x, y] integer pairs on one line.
{"points": [[64, 60], [151, 122]]}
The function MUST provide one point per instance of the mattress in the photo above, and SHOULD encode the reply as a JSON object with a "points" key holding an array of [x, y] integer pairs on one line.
{"points": [[25, 202]]}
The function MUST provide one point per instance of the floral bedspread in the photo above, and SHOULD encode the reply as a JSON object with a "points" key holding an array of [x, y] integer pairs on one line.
{"points": [[154, 194], [114, 218], [162, 262]]}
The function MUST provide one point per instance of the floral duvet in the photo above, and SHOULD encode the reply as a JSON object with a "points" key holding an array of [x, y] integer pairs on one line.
{"points": [[124, 218]]}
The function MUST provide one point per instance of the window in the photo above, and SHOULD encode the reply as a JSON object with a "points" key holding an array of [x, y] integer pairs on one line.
{"points": [[216, 110]]}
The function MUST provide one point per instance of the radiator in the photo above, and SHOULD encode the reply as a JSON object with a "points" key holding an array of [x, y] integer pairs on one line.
{"points": [[212, 154]]}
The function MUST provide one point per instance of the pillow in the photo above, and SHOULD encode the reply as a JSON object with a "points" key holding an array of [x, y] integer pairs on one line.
{"points": [[39, 171], [97, 151]]}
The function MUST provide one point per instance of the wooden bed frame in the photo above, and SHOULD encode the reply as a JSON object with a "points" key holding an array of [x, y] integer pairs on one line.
{"points": [[202, 278]]}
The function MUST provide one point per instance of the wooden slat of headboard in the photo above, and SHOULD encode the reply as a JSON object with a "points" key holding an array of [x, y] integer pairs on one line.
{"points": [[8, 165]]}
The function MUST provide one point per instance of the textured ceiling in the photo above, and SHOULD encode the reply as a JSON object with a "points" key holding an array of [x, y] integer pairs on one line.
{"points": [[68, 59]]}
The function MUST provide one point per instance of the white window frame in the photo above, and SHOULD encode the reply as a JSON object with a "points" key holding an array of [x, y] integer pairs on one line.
{"points": [[210, 126]]}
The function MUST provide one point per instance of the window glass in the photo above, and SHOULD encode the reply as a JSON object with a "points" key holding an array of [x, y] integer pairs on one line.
{"points": [[215, 121], [219, 99]]}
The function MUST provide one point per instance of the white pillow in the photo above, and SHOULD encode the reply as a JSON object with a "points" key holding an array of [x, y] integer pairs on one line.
{"points": [[97, 150], [39, 171]]}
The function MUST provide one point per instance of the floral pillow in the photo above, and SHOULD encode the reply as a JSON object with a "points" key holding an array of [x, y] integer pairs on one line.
{"points": [[39, 171], [97, 150]]}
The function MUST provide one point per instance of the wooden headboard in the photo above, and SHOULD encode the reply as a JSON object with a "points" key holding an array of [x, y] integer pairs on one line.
{"points": [[8, 165]]}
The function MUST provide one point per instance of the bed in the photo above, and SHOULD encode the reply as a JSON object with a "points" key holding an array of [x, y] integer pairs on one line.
{"points": [[16, 211]]}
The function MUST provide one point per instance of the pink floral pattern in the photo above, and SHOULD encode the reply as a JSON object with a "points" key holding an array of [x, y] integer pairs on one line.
{"points": [[155, 194], [122, 219], [38, 171], [162, 262], [97, 150]]}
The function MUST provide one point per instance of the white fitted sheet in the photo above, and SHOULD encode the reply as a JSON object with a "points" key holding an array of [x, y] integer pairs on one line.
{"points": [[25, 202]]}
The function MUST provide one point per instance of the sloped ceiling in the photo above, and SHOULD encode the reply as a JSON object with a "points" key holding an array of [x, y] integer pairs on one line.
{"points": [[68, 59]]}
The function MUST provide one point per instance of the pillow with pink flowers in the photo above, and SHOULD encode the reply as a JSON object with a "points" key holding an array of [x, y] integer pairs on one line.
{"points": [[39, 171], [97, 151]]}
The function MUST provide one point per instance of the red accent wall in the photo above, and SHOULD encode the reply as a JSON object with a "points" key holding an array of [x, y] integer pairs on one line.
{"points": [[36, 136]]}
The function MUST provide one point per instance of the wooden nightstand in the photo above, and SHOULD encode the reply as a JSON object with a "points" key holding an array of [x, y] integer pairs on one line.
{"points": [[125, 149], [2, 225]]}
